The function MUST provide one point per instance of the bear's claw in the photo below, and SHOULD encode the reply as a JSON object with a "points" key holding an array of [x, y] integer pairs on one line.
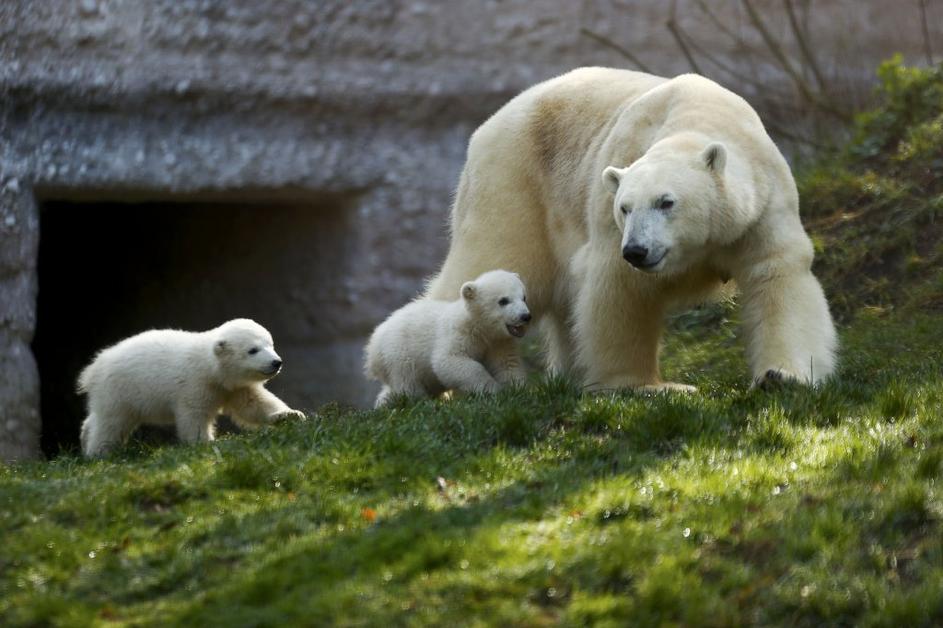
{"points": [[773, 379], [289, 414]]}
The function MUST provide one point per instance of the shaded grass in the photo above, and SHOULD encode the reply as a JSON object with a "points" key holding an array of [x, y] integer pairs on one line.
{"points": [[541, 505]]}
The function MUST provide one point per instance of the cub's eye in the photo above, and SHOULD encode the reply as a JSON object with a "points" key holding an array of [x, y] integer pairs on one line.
{"points": [[524, 298], [624, 209], [253, 350], [503, 301], [666, 204]]}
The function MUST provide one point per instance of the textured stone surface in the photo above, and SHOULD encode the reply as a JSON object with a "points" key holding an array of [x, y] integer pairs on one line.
{"points": [[19, 381], [288, 103]]}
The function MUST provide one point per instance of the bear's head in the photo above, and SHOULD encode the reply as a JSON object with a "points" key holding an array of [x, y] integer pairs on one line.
{"points": [[245, 352], [498, 302], [663, 203]]}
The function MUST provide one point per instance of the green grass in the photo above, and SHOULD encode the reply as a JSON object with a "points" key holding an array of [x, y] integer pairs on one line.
{"points": [[543, 505], [730, 506]]}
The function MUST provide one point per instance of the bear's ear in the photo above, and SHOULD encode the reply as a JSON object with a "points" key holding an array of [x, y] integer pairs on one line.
{"points": [[715, 157], [220, 347], [469, 290], [611, 177]]}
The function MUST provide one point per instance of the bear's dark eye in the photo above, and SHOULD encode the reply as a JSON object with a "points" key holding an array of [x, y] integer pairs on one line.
{"points": [[625, 210], [253, 350], [524, 298], [503, 301], [666, 203]]}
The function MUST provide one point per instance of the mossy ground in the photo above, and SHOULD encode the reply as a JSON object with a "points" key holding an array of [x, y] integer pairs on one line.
{"points": [[544, 505]]}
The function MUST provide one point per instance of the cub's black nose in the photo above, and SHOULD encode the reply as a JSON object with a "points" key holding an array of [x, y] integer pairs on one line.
{"points": [[526, 317], [634, 254], [276, 364]]}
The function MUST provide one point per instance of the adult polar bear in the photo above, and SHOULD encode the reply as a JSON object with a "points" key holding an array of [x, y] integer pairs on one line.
{"points": [[706, 197]]}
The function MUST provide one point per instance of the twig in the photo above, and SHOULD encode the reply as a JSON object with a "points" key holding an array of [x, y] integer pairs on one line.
{"points": [[804, 46], [926, 31], [792, 137], [675, 32], [784, 63], [719, 24], [736, 74], [605, 41]]}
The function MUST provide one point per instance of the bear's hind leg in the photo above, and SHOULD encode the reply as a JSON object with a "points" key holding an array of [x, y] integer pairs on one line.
{"points": [[100, 435], [401, 385], [384, 397], [196, 425]]}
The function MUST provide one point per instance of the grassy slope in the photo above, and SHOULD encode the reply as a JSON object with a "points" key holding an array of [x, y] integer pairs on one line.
{"points": [[731, 506]]}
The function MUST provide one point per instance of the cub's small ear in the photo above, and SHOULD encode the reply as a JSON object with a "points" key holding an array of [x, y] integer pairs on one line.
{"points": [[469, 290], [611, 177], [715, 157], [220, 347]]}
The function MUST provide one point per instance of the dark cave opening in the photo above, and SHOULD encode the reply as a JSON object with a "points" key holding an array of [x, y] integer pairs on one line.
{"points": [[110, 270]]}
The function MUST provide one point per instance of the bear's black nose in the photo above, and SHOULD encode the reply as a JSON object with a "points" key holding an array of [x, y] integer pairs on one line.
{"points": [[634, 254], [276, 364], [525, 317]]}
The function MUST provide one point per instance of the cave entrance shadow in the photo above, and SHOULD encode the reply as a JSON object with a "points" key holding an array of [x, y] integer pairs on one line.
{"points": [[108, 270]]}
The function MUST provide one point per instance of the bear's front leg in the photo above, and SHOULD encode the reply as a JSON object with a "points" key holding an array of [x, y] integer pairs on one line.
{"points": [[505, 365], [617, 330], [788, 328], [254, 406], [459, 372]]}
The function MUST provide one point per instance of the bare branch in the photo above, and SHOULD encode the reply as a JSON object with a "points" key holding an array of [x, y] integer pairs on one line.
{"points": [[927, 50], [804, 48], [792, 137], [804, 89], [734, 73], [605, 41], [719, 24], [676, 33]]}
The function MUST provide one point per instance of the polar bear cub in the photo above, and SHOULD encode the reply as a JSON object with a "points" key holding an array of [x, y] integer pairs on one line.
{"points": [[181, 378], [430, 346]]}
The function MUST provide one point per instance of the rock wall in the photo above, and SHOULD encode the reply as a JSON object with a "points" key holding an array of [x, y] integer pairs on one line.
{"points": [[284, 104]]}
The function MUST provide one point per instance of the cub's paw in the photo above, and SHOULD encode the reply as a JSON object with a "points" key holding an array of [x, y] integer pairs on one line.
{"points": [[296, 415], [487, 388], [774, 379], [612, 385], [668, 387]]}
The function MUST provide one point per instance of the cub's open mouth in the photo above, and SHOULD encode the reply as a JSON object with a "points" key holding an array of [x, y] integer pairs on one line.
{"points": [[517, 331], [271, 370]]}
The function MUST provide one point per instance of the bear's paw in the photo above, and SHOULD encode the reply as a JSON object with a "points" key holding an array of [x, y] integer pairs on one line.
{"points": [[297, 415], [773, 379]]}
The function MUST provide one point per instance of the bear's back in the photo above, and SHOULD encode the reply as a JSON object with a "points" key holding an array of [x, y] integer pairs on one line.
{"points": [[152, 361], [408, 333]]}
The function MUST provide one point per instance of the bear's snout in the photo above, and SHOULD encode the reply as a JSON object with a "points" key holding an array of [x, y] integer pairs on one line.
{"points": [[276, 364], [635, 254], [525, 317]]}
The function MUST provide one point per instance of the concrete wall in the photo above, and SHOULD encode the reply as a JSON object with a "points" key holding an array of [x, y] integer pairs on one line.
{"points": [[287, 103]]}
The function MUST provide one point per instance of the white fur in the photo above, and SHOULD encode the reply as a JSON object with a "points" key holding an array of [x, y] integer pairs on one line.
{"points": [[430, 346], [542, 194], [181, 378]]}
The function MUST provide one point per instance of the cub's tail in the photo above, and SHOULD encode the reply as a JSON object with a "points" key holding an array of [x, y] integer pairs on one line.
{"points": [[86, 379]]}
